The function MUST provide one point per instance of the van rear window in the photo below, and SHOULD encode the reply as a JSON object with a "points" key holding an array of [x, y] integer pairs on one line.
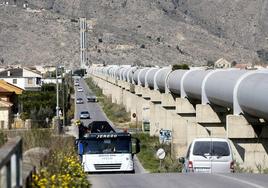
{"points": [[212, 148]]}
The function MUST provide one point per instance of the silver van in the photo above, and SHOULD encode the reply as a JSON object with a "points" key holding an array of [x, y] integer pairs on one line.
{"points": [[208, 155]]}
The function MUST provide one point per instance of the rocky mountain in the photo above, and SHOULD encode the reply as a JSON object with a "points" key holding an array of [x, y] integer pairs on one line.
{"points": [[37, 37], [150, 32]]}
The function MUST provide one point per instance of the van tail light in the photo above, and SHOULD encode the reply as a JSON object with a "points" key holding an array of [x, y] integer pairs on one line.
{"points": [[232, 166], [190, 166]]}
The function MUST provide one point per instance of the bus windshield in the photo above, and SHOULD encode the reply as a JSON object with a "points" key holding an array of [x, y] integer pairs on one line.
{"points": [[107, 145]]}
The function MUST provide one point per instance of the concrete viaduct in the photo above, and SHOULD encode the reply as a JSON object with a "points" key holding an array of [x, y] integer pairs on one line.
{"points": [[228, 103]]}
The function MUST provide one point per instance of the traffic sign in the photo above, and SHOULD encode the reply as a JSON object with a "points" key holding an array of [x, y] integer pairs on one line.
{"points": [[165, 136], [161, 153]]}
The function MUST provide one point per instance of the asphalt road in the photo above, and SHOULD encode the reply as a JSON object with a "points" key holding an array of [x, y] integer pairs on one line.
{"points": [[142, 179], [179, 180], [96, 114]]}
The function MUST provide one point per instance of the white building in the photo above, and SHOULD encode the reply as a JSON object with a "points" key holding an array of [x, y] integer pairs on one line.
{"points": [[51, 81], [24, 78], [44, 69], [222, 63]]}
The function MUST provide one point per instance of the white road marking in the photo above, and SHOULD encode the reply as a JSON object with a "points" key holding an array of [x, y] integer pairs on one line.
{"points": [[241, 181]]}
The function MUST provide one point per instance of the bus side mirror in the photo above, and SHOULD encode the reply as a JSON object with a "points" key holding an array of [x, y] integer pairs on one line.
{"points": [[79, 146], [135, 145]]}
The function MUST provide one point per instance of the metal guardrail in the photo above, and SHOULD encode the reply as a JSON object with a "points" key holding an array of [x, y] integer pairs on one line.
{"points": [[11, 163]]}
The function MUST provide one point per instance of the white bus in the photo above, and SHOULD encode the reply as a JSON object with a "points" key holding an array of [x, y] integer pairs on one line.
{"points": [[108, 152]]}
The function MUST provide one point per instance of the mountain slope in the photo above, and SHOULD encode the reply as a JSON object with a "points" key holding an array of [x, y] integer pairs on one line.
{"points": [[159, 32]]}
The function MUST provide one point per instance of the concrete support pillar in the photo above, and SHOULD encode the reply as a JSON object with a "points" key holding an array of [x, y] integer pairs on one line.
{"points": [[124, 99], [251, 153], [156, 96], [129, 100], [154, 127], [168, 101], [209, 114], [111, 80], [118, 95], [120, 83], [157, 118], [179, 135], [183, 106], [114, 94], [136, 108], [107, 89], [147, 93], [249, 140], [195, 130], [240, 127], [138, 90], [123, 84]]}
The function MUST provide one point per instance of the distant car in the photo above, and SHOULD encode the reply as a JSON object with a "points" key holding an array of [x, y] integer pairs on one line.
{"points": [[76, 84], [208, 155], [79, 101], [91, 98], [84, 115], [80, 89]]}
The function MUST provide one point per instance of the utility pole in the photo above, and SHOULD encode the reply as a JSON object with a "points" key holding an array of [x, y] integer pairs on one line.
{"points": [[63, 97], [57, 105], [83, 48]]}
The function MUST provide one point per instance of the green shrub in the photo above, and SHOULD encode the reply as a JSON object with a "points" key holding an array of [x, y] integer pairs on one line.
{"points": [[149, 147], [116, 113], [239, 169], [180, 66], [62, 168]]}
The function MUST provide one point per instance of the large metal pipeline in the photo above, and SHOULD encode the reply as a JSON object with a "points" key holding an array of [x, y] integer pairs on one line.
{"points": [[125, 73], [130, 74], [111, 70], [160, 78], [106, 70], [117, 72], [142, 75], [252, 95], [192, 83], [135, 76], [150, 77], [101, 70], [174, 81], [121, 72], [219, 86]]}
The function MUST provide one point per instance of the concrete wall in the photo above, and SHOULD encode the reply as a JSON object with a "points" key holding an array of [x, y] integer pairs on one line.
{"points": [[187, 121], [4, 118]]}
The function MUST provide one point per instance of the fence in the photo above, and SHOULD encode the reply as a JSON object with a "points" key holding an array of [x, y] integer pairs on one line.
{"points": [[11, 163]]}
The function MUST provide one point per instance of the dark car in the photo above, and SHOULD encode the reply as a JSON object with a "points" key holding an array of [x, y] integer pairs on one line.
{"points": [[91, 98]]}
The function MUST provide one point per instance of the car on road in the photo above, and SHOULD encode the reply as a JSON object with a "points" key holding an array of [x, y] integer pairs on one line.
{"points": [[80, 89], [84, 115], [91, 98], [76, 84], [208, 155], [79, 101]]}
